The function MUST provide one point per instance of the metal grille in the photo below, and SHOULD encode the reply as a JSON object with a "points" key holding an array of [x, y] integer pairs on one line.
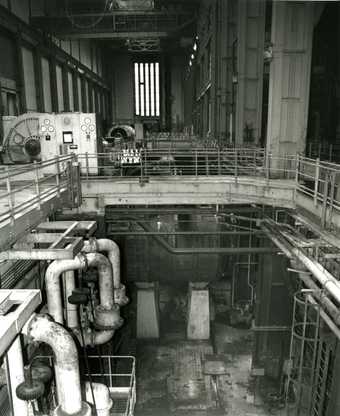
{"points": [[303, 354], [324, 378], [118, 373]]}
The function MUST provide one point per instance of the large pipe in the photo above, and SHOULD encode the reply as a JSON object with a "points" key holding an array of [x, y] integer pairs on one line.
{"points": [[107, 316], [326, 279], [102, 264], [113, 253], [92, 338], [53, 272], [69, 283], [15, 375], [101, 393], [42, 328]]}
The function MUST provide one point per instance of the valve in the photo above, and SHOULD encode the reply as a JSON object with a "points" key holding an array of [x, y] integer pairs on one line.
{"points": [[30, 389], [78, 298]]}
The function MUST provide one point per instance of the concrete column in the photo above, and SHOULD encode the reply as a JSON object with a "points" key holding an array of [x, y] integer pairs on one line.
{"points": [[250, 47], [198, 323], [289, 83], [147, 311]]}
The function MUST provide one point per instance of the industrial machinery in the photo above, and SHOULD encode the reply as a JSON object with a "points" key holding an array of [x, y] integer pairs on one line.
{"points": [[80, 315], [41, 136]]}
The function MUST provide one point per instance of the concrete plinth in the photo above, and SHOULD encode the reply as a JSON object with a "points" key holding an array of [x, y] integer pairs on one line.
{"points": [[198, 324], [147, 311]]}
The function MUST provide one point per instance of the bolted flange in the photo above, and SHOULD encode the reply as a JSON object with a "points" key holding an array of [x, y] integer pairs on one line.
{"points": [[106, 319], [30, 390], [120, 296]]}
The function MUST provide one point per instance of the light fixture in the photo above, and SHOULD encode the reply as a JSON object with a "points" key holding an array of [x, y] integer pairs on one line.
{"points": [[192, 56], [195, 47], [190, 63]]}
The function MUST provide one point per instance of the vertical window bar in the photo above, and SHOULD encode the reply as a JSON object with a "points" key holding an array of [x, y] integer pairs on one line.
{"points": [[137, 89], [142, 95], [150, 96], [152, 89], [144, 89], [157, 89], [147, 90]]}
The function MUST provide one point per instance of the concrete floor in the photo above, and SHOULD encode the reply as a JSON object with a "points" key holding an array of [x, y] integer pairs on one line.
{"points": [[172, 377]]}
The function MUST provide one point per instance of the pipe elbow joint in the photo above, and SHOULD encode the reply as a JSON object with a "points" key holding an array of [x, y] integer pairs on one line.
{"points": [[37, 322], [106, 319], [91, 246], [120, 296], [85, 411]]}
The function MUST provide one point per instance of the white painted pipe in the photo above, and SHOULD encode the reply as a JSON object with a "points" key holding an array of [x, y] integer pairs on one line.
{"points": [[69, 282], [80, 262], [102, 397], [93, 338], [326, 279], [15, 375], [113, 252], [52, 279], [66, 365], [105, 278]]}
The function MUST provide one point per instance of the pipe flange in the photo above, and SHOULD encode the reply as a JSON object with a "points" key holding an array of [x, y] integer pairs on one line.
{"points": [[83, 261], [106, 319], [120, 296], [85, 411], [92, 245], [33, 322]]}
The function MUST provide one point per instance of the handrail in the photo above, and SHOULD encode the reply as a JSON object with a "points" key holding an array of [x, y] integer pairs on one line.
{"points": [[312, 177], [27, 186]]}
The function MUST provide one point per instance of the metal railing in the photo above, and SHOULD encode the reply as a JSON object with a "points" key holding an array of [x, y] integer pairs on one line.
{"points": [[28, 186], [198, 162], [25, 187], [320, 181], [117, 372], [323, 150]]}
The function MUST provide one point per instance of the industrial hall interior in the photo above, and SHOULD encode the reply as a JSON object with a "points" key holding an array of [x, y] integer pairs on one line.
{"points": [[169, 208]]}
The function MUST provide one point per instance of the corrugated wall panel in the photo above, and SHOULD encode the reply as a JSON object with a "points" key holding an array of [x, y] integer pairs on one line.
{"points": [[45, 68], [29, 75], [60, 92]]}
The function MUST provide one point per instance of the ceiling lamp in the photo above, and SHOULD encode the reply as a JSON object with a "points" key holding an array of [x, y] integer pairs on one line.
{"points": [[135, 4], [144, 45]]}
